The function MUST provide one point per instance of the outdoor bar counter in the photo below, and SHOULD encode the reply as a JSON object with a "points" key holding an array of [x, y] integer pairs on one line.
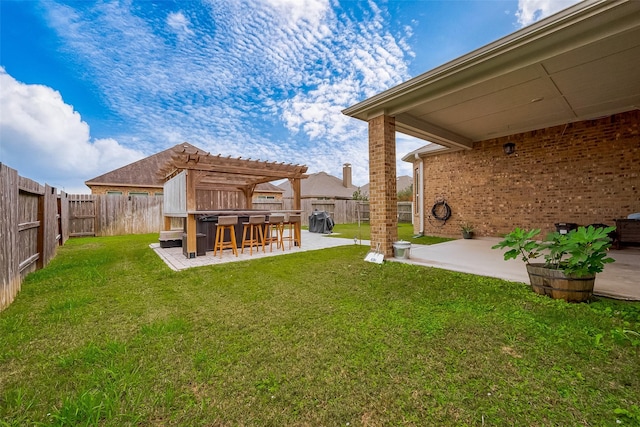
{"points": [[207, 222]]}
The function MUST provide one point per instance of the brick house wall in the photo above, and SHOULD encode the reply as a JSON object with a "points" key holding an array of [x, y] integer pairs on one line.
{"points": [[103, 189], [585, 172]]}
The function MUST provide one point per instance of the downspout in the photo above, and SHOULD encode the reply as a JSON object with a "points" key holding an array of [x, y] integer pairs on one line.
{"points": [[420, 200]]}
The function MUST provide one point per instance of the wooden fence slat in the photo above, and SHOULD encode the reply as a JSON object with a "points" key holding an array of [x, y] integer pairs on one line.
{"points": [[9, 257]]}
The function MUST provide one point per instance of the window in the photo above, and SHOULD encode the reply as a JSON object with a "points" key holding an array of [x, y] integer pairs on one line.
{"points": [[114, 193], [138, 193], [158, 194], [267, 197]]}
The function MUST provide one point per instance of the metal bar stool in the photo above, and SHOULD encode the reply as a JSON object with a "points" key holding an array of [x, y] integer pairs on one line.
{"points": [[293, 224], [275, 231], [255, 227], [226, 223]]}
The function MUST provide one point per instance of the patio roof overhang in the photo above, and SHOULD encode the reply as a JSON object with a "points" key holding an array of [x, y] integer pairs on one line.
{"points": [[579, 64], [227, 173]]}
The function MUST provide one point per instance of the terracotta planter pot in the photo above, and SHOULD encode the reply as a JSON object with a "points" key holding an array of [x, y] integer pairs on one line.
{"points": [[558, 285]]}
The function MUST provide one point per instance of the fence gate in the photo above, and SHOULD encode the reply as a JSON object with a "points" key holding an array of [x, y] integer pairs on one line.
{"points": [[82, 215]]}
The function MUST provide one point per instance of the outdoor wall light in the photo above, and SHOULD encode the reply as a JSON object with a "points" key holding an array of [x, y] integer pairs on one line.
{"points": [[509, 148]]}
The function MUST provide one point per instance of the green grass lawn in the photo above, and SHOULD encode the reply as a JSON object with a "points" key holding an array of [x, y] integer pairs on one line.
{"points": [[108, 335], [405, 232]]}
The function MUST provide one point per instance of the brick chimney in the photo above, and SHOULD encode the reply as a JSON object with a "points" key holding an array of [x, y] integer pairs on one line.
{"points": [[346, 175]]}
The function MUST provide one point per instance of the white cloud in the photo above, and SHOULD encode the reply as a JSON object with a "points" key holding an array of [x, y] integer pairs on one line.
{"points": [[180, 25], [530, 11], [267, 77], [311, 11], [47, 141]]}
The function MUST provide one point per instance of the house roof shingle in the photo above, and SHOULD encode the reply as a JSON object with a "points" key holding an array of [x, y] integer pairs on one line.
{"points": [[321, 184], [143, 173], [267, 187], [402, 183]]}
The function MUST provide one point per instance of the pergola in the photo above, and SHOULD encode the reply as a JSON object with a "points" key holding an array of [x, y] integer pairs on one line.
{"points": [[191, 170]]}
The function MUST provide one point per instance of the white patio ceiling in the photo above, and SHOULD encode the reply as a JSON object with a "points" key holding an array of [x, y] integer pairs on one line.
{"points": [[580, 64]]}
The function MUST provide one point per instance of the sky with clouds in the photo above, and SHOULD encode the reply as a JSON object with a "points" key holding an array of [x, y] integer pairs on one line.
{"points": [[86, 87]]}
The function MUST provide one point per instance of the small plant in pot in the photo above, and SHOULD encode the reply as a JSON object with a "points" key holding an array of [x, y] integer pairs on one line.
{"points": [[467, 230], [572, 260]]}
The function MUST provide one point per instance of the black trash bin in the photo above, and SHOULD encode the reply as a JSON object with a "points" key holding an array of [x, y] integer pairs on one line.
{"points": [[612, 234], [565, 227]]}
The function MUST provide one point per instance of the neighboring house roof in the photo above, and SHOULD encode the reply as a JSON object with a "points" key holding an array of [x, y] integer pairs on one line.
{"points": [[402, 183], [143, 173], [579, 64], [320, 184], [267, 187]]}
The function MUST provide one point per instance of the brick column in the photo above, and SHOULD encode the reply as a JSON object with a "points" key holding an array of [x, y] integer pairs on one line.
{"points": [[383, 195]]}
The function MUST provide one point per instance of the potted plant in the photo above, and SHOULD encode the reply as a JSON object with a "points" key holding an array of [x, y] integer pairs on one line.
{"points": [[467, 230], [572, 260]]}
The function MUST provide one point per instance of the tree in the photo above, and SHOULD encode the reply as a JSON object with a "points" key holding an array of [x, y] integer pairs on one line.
{"points": [[406, 195], [357, 195]]}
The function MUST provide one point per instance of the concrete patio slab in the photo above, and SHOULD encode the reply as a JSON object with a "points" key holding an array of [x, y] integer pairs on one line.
{"points": [[620, 280], [174, 258]]}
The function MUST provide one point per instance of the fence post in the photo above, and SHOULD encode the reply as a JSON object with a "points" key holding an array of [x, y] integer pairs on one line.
{"points": [[49, 225], [9, 258], [63, 211], [40, 263]]}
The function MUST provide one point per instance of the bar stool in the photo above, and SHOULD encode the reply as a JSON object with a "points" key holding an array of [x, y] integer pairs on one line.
{"points": [[293, 226], [256, 234], [275, 230], [226, 223]]}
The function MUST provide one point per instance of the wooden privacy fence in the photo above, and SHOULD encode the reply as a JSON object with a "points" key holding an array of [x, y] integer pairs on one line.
{"points": [[405, 211], [114, 215], [348, 211], [31, 226]]}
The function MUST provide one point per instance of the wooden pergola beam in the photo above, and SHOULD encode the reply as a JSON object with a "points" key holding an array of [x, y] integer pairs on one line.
{"points": [[250, 170]]}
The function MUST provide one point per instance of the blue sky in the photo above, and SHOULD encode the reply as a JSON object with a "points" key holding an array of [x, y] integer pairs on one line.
{"points": [[86, 87]]}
